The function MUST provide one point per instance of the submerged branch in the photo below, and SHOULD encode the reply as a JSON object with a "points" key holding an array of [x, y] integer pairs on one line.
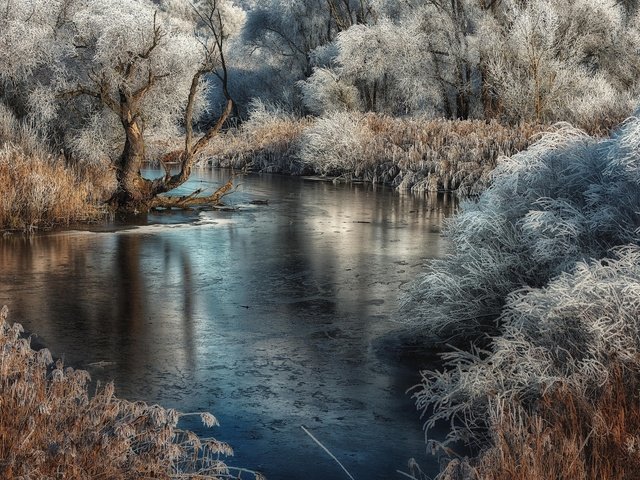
{"points": [[193, 199]]}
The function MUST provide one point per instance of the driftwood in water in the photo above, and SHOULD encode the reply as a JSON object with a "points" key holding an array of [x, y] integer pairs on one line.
{"points": [[193, 199]]}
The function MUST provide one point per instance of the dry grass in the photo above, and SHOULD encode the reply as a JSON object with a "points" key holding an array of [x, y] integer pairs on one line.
{"points": [[438, 154], [50, 427], [407, 153], [566, 435], [40, 190], [268, 142]]}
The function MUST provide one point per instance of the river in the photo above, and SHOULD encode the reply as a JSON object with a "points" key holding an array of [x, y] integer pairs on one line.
{"points": [[268, 316]]}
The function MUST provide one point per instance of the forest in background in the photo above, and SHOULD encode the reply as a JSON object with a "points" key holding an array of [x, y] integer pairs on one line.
{"points": [[384, 91], [539, 297]]}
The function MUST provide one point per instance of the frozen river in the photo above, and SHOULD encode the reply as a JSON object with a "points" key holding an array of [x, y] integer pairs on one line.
{"points": [[270, 316]]}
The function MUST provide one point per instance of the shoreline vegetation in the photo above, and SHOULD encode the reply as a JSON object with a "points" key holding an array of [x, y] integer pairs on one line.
{"points": [[42, 190], [420, 155], [52, 427], [539, 296]]}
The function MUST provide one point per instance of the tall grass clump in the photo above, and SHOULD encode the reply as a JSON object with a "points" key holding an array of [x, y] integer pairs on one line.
{"points": [[39, 189], [557, 394], [267, 142], [568, 198], [51, 427], [416, 154]]}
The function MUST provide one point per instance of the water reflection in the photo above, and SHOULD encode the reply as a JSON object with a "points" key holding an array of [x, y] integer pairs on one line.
{"points": [[265, 316]]}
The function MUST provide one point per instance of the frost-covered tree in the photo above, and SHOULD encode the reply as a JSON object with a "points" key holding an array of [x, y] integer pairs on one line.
{"points": [[417, 57], [121, 71], [549, 61], [280, 38]]}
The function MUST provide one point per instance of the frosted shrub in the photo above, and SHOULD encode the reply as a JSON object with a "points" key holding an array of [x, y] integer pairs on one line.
{"points": [[572, 335], [325, 92], [337, 143], [567, 198]]}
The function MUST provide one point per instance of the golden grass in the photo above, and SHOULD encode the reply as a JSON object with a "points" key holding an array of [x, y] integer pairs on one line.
{"points": [[566, 435], [38, 189], [267, 145], [569, 436], [41, 191], [417, 154], [439, 154], [50, 427]]}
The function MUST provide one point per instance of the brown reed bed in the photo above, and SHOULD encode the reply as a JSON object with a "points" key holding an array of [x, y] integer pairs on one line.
{"points": [[416, 154], [51, 427], [566, 435], [40, 190]]}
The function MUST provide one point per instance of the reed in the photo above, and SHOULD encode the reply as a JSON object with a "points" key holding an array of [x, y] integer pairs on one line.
{"points": [[414, 154], [568, 435], [51, 427], [267, 142], [39, 189]]}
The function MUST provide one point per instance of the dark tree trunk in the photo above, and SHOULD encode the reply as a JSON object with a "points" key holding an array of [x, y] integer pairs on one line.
{"points": [[133, 190]]}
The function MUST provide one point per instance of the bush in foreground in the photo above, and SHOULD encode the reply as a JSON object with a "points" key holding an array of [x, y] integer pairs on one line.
{"points": [[50, 427], [542, 295], [557, 394], [568, 198]]}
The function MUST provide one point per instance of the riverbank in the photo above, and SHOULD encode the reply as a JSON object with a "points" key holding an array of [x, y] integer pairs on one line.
{"points": [[41, 190], [419, 155], [51, 426]]}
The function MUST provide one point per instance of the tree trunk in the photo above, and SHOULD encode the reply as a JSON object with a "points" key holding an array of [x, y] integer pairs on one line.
{"points": [[133, 190], [136, 193]]}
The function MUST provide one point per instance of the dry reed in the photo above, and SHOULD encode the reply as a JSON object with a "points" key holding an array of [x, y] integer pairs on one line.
{"points": [[566, 435], [50, 427], [38, 189], [417, 154], [268, 143]]}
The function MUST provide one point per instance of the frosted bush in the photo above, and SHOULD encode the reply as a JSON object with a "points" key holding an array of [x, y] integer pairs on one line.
{"points": [[337, 143], [567, 198], [325, 92], [567, 334]]}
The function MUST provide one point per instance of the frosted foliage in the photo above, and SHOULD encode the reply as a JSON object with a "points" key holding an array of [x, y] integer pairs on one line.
{"points": [[366, 51], [262, 113], [566, 333], [325, 92], [26, 31], [560, 60], [324, 55], [384, 58], [100, 141], [567, 198], [335, 143], [71, 61], [118, 29], [185, 14]]}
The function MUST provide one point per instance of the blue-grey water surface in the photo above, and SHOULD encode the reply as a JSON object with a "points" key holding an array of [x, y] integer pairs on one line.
{"points": [[268, 316]]}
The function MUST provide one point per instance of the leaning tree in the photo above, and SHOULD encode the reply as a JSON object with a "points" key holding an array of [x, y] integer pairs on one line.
{"points": [[148, 65], [108, 76]]}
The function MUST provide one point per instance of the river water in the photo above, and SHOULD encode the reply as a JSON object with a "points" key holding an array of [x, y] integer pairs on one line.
{"points": [[269, 316]]}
